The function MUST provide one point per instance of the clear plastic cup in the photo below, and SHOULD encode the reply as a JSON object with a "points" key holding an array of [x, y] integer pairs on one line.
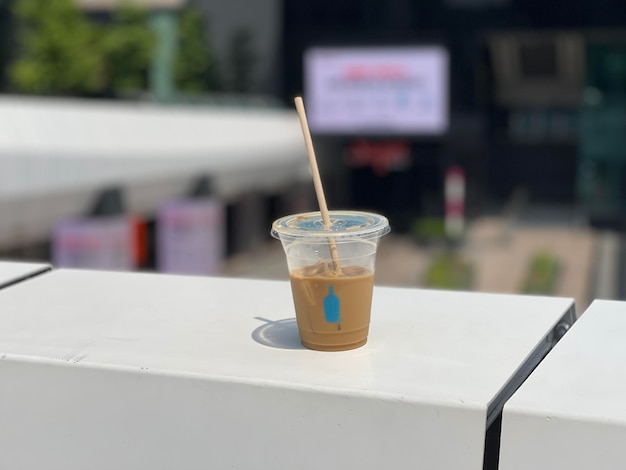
{"points": [[332, 275]]}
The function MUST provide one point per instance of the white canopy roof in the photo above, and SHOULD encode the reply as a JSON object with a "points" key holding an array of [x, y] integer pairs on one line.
{"points": [[55, 147]]}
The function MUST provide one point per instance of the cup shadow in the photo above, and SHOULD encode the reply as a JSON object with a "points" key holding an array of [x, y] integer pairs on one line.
{"points": [[280, 334]]}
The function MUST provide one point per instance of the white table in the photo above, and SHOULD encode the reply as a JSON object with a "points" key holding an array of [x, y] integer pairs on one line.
{"points": [[571, 412], [13, 272], [107, 370]]}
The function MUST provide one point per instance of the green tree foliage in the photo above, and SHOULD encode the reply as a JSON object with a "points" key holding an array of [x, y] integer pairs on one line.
{"points": [[59, 49], [542, 275], [449, 271], [195, 68], [127, 46], [61, 52]]}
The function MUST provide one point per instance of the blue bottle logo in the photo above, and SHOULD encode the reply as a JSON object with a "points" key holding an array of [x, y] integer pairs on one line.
{"points": [[331, 306]]}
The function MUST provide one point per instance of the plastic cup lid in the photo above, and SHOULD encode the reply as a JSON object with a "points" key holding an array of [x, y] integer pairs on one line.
{"points": [[343, 224]]}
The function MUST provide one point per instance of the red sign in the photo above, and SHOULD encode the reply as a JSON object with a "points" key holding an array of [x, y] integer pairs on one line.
{"points": [[383, 157]]}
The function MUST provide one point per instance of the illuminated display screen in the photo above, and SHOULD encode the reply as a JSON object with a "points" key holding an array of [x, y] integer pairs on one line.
{"points": [[377, 90]]}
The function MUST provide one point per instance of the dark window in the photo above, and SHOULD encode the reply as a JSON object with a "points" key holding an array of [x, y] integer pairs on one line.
{"points": [[538, 60]]}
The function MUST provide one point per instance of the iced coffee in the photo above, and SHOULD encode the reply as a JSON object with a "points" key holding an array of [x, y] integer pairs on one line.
{"points": [[332, 295]]}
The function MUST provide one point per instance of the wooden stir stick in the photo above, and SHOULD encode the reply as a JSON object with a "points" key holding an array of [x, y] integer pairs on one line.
{"points": [[317, 180]]}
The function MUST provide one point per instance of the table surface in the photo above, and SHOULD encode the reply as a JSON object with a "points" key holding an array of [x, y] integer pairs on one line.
{"points": [[570, 411], [583, 377], [11, 272], [455, 348]]}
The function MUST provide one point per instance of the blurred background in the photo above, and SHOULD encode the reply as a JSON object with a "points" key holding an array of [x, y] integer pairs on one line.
{"points": [[160, 135]]}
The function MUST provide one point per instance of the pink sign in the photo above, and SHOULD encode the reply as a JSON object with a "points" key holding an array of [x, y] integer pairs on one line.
{"points": [[191, 237], [94, 243]]}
